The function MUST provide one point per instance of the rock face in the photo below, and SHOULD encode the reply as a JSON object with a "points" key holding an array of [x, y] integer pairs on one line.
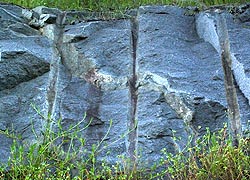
{"points": [[156, 75]]}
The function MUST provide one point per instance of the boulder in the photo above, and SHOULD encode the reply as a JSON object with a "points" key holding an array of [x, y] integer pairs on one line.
{"points": [[140, 81]]}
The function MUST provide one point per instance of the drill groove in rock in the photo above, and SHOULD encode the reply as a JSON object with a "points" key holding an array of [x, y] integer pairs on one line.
{"points": [[133, 92], [157, 75]]}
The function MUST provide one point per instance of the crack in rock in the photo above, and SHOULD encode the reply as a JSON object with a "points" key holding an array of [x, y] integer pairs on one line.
{"points": [[157, 83], [104, 81]]}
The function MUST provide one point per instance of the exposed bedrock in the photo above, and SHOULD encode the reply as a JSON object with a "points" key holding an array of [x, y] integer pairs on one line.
{"points": [[156, 75]]}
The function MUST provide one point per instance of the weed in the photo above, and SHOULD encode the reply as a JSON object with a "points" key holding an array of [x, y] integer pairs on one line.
{"points": [[49, 159], [213, 157]]}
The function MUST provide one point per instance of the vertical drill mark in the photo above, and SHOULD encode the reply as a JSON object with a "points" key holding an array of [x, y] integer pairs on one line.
{"points": [[231, 95], [133, 92], [56, 60]]}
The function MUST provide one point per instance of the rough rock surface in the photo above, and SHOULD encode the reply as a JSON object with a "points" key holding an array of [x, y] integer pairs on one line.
{"points": [[156, 75]]}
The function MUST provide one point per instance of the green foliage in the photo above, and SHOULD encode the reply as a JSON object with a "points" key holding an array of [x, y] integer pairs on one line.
{"points": [[117, 5], [47, 159], [213, 157], [56, 156]]}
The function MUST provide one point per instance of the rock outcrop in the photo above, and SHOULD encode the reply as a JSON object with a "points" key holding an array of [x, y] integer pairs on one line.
{"points": [[156, 75]]}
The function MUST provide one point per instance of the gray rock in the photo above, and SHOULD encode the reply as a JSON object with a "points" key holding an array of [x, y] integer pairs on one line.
{"points": [[169, 48], [37, 46], [238, 36], [27, 14], [40, 16], [11, 12], [19, 117], [5, 149], [157, 75], [12, 29], [245, 17], [42, 20], [46, 10], [13, 24], [88, 84], [18, 67]]}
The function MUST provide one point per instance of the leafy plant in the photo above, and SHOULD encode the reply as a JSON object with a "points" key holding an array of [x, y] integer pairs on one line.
{"points": [[49, 159], [213, 157]]}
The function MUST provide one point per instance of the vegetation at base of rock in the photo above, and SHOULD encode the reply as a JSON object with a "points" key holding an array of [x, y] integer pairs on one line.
{"points": [[212, 157], [118, 5]]}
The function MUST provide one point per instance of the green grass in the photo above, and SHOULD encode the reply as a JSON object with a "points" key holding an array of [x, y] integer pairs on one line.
{"points": [[116, 5], [213, 157]]}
